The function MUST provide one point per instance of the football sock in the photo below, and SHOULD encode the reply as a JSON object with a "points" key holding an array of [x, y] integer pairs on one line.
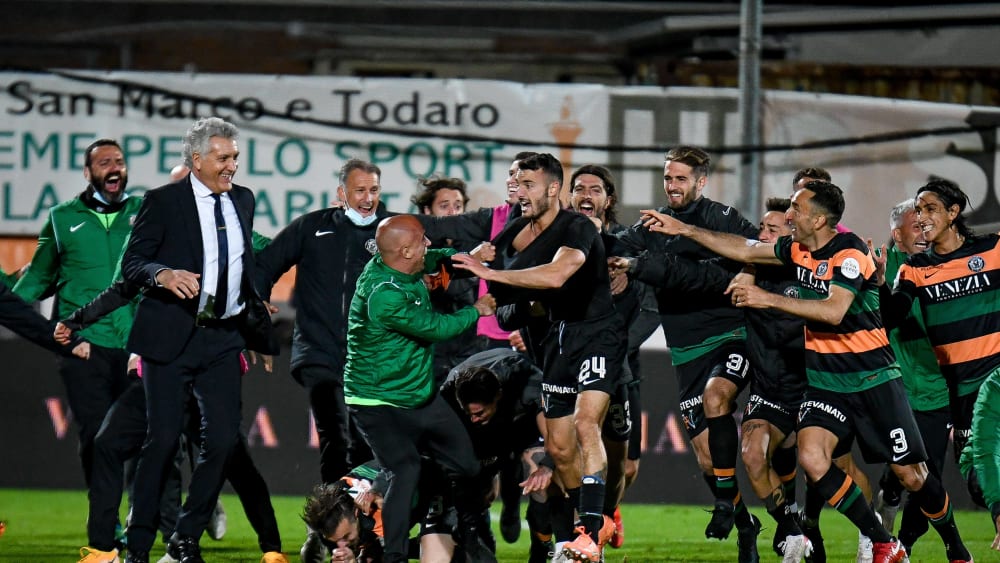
{"points": [[892, 489], [592, 504], [936, 505], [913, 524], [723, 440], [710, 481], [842, 494], [814, 504], [784, 462], [561, 511], [741, 514], [781, 513], [539, 517]]}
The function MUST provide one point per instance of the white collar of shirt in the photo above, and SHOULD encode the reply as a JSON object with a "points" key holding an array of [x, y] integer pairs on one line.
{"points": [[200, 189]]}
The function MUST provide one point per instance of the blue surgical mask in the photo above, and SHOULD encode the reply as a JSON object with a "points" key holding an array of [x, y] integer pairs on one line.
{"points": [[100, 197], [358, 220]]}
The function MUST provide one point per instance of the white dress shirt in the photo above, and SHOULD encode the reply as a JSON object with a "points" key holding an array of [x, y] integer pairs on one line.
{"points": [[210, 242]]}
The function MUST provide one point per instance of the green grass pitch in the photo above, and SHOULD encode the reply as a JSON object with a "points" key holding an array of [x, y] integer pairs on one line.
{"points": [[50, 527]]}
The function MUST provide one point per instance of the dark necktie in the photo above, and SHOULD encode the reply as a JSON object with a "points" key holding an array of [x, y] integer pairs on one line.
{"points": [[222, 288]]}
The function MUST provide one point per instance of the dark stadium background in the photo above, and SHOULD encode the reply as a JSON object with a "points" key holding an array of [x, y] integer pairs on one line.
{"points": [[36, 457]]}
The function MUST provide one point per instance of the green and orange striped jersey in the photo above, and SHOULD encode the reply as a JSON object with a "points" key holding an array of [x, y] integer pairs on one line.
{"points": [[959, 296], [855, 354]]}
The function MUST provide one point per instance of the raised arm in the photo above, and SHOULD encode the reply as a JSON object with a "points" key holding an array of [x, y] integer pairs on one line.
{"points": [[278, 256], [394, 309], [731, 246], [117, 295], [672, 271], [829, 310], [21, 318], [467, 227], [553, 275]]}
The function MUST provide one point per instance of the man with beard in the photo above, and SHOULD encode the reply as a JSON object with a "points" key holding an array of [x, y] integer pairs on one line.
{"points": [[446, 197], [854, 385], [593, 193], [554, 259], [777, 354], [78, 250], [707, 338]]}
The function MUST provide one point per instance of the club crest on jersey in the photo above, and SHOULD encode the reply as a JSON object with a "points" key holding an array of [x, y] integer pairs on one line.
{"points": [[792, 291], [822, 268], [976, 263], [371, 247]]}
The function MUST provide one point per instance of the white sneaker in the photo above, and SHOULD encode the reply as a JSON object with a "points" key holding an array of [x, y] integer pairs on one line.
{"points": [[217, 523], [167, 559], [886, 512], [795, 548], [865, 549]]}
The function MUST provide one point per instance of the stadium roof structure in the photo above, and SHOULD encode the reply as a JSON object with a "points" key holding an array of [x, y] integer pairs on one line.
{"points": [[319, 35]]}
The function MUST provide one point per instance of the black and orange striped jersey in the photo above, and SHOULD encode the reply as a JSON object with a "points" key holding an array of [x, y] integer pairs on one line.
{"points": [[855, 354], [360, 480], [959, 296]]}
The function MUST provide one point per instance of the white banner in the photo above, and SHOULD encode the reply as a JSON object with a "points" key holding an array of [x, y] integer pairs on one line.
{"points": [[298, 131]]}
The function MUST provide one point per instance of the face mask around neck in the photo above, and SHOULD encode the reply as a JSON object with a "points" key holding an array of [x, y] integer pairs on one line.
{"points": [[358, 220], [100, 197]]}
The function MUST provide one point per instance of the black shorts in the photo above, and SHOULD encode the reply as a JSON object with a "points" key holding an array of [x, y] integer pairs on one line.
{"points": [[728, 361], [879, 417], [935, 429], [581, 356], [441, 517], [780, 415], [635, 410], [618, 421], [781, 388], [961, 414], [434, 505]]}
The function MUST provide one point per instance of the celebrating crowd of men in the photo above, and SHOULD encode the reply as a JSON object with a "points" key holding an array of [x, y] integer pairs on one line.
{"points": [[403, 339]]}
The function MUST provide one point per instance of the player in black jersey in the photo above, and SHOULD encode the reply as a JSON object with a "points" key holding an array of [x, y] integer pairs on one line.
{"points": [[555, 258], [706, 335], [775, 347], [497, 394], [593, 193]]}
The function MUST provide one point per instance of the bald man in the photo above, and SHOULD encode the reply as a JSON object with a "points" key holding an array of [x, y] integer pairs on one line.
{"points": [[389, 381]]}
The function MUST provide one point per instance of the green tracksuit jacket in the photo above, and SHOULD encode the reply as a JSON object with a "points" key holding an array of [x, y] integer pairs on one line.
{"points": [[983, 449], [8, 279], [925, 386], [390, 331], [78, 252]]}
